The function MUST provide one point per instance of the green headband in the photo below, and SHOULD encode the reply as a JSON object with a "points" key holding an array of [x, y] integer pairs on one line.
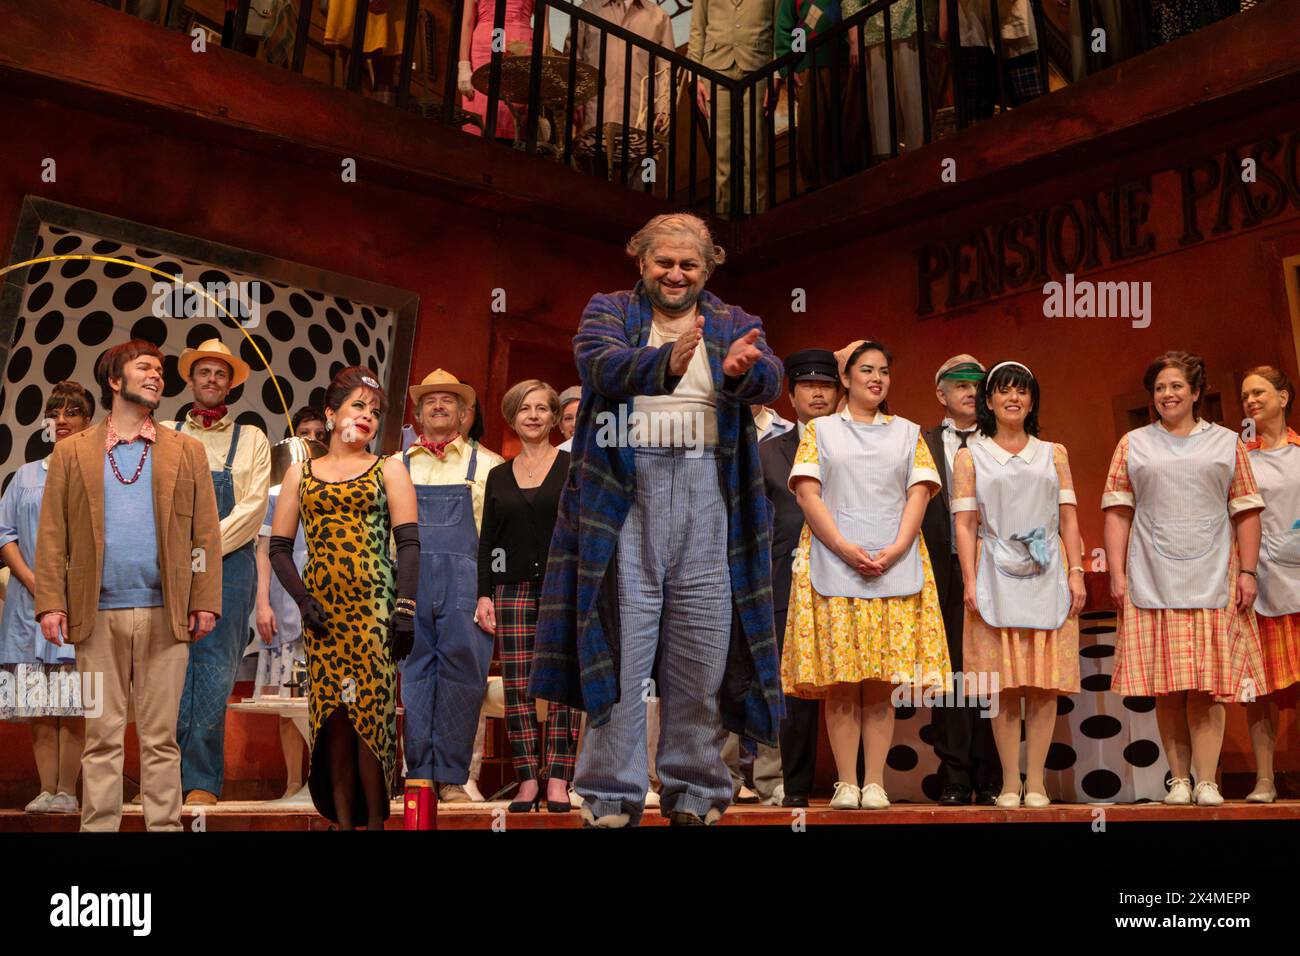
{"points": [[965, 372]]}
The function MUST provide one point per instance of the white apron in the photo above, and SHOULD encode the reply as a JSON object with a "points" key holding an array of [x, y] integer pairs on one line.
{"points": [[1020, 584], [1181, 538], [865, 472], [1277, 471]]}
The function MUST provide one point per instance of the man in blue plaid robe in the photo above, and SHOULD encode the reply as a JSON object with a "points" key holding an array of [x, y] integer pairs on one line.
{"points": [[659, 576]]}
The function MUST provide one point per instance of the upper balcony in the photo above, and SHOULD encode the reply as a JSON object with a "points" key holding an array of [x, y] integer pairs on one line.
{"points": [[886, 118]]}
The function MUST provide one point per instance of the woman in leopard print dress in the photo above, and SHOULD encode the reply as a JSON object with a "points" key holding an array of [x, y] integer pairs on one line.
{"points": [[348, 501]]}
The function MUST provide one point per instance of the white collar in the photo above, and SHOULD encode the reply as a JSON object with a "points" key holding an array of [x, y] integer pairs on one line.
{"points": [[1002, 456], [950, 427], [880, 419], [1200, 426], [45, 462]]}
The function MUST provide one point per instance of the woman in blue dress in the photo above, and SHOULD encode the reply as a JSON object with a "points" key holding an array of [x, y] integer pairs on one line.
{"points": [[43, 686]]}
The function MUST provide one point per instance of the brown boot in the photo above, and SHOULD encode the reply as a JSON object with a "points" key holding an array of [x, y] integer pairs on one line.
{"points": [[201, 797]]}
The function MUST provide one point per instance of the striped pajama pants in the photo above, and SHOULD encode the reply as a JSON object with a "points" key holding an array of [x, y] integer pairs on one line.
{"points": [[516, 612], [674, 594]]}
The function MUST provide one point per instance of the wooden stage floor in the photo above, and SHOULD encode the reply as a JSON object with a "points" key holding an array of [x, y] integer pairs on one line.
{"points": [[254, 816]]}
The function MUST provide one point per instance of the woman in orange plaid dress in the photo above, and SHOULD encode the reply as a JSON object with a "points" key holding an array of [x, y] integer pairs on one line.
{"points": [[1267, 395], [1182, 533]]}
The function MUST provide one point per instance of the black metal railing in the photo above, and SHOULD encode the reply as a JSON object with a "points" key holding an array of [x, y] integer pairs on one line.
{"points": [[842, 93]]}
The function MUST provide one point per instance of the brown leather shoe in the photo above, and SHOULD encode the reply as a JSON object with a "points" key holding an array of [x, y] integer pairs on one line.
{"points": [[202, 797], [453, 793]]}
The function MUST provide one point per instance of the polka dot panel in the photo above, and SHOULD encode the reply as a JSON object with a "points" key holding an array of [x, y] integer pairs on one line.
{"points": [[73, 310]]}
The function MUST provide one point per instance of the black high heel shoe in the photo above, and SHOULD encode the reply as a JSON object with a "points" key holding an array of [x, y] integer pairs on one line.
{"points": [[558, 806], [525, 806]]}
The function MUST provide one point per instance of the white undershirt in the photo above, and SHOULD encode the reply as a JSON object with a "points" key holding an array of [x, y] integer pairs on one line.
{"points": [[689, 413]]}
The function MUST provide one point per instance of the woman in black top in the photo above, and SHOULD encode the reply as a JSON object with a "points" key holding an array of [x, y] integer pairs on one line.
{"points": [[519, 506]]}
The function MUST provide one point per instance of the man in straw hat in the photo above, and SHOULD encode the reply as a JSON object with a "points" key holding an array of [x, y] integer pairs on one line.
{"points": [[968, 759], [445, 675], [660, 551], [239, 458]]}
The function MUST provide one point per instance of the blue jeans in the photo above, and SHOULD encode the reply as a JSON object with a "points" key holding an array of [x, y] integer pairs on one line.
{"points": [[674, 602], [210, 677]]}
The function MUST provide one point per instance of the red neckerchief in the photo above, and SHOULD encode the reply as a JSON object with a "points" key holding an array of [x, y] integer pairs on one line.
{"points": [[439, 448], [209, 416]]}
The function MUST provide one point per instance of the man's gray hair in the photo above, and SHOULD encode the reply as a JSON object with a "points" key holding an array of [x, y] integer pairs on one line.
{"points": [[677, 225]]}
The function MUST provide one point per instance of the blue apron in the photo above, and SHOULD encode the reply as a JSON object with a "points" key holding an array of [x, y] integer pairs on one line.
{"points": [[445, 675], [214, 660]]}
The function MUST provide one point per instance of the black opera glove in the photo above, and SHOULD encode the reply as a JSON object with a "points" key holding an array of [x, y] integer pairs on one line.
{"points": [[401, 628], [401, 634], [313, 614]]}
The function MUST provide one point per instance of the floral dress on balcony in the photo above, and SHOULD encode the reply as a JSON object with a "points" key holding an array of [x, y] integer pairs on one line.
{"points": [[1171, 19]]}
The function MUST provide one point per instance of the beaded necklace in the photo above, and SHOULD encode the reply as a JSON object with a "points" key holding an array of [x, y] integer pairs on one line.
{"points": [[138, 468]]}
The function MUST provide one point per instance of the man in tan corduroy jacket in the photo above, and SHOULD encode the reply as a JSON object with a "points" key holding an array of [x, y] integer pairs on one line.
{"points": [[128, 569]]}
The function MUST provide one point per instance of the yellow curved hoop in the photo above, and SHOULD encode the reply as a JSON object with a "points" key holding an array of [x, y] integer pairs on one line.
{"points": [[284, 406]]}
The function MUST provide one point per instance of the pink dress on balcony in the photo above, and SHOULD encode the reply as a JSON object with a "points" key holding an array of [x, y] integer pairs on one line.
{"points": [[518, 27]]}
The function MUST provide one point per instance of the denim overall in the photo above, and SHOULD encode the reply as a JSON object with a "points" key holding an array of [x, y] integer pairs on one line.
{"points": [[214, 660], [445, 675]]}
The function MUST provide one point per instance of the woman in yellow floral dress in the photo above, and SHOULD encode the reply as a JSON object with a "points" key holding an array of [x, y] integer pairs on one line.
{"points": [[864, 613]]}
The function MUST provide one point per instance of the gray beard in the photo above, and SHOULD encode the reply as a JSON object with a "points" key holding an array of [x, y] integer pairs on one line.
{"points": [[138, 398], [662, 305]]}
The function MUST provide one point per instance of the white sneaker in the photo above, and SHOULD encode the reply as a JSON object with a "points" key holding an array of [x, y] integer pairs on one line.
{"points": [[651, 798], [846, 797], [64, 803], [1264, 792], [1180, 792], [777, 798], [1207, 794], [874, 797], [41, 804], [471, 788]]}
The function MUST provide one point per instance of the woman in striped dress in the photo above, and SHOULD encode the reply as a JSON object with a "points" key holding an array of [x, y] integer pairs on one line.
{"points": [[1182, 541], [1267, 396], [1023, 573]]}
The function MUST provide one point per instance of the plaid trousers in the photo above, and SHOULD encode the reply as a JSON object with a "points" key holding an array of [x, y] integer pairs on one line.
{"points": [[516, 611], [978, 86]]}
